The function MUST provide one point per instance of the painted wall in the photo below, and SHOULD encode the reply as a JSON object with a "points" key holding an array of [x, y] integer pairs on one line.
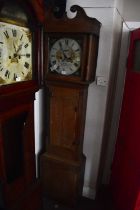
{"points": [[131, 11], [119, 4], [97, 98], [91, 3], [117, 103], [38, 116], [128, 9]]}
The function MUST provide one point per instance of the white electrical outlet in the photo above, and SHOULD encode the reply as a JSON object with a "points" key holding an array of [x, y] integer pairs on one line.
{"points": [[102, 81]]}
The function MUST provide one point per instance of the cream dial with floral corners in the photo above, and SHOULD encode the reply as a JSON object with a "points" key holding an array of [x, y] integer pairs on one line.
{"points": [[65, 56], [15, 53]]}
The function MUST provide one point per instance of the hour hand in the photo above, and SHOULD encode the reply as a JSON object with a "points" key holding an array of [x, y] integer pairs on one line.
{"points": [[66, 54], [14, 46]]}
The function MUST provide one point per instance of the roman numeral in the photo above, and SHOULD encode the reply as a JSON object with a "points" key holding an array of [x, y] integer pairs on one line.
{"points": [[26, 45], [1, 42], [54, 62], [21, 37], [28, 55], [1, 69], [6, 34], [14, 32], [52, 56], [72, 44], [15, 77], [60, 44], [26, 65], [76, 64], [7, 73], [54, 48], [77, 50]]}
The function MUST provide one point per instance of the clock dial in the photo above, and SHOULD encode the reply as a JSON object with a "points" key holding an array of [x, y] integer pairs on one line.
{"points": [[65, 56], [15, 54]]}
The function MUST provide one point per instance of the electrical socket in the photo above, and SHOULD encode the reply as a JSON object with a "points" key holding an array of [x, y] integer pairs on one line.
{"points": [[102, 81]]}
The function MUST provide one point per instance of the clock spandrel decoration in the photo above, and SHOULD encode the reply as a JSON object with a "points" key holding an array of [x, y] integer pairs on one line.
{"points": [[20, 50], [70, 57]]}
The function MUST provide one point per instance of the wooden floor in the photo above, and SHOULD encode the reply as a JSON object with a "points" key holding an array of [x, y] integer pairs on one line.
{"points": [[102, 202]]}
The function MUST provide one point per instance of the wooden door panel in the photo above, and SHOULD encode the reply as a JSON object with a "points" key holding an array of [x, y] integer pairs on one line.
{"points": [[17, 151], [63, 113], [66, 120], [69, 121], [63, 117]]}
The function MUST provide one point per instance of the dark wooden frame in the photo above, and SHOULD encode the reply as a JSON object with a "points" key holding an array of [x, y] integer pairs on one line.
{"points": [[16, 100]]}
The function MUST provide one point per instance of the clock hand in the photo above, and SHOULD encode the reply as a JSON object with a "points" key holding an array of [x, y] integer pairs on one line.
{"points": [[65, 56], [63, 51], [16, 52], [19, 48], [14, 46], [14, 59]]}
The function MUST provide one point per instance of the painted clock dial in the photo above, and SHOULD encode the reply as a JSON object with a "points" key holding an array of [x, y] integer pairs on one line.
{"points": [[15, 53], [65, 56]]}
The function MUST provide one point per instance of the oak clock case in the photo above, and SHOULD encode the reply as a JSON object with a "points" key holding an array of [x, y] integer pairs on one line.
{"points": [[70, 55], [19, 44]]}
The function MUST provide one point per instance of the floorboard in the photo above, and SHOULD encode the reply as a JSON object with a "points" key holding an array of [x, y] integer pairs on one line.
{"points": [[102, 202]]}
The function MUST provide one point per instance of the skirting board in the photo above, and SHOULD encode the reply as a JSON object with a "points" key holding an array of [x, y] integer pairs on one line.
{"points": [[89, 192]]}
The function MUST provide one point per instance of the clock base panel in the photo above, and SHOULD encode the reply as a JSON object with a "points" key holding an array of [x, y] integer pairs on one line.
{"points": [[61, 179]]}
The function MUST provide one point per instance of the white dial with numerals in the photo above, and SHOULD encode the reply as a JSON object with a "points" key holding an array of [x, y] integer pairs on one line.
{"points": [[15, 53], [65, 56]]}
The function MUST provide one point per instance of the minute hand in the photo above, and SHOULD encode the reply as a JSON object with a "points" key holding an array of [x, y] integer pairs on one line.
{"points": [[19, 48]]}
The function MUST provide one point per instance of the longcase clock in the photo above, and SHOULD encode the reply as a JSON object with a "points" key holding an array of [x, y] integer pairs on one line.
{"points": [[71, 49], [19, 65]]}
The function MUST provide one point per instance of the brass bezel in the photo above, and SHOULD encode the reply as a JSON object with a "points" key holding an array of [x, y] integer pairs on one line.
{"points": [[13, 22]]}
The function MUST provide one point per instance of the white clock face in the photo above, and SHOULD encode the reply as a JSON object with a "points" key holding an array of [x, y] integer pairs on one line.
{"points": [[15, 54], [65, 56]]}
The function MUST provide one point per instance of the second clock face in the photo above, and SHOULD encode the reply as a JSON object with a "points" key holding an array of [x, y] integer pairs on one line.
{"points": [[15, 54], [65, 56]]}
